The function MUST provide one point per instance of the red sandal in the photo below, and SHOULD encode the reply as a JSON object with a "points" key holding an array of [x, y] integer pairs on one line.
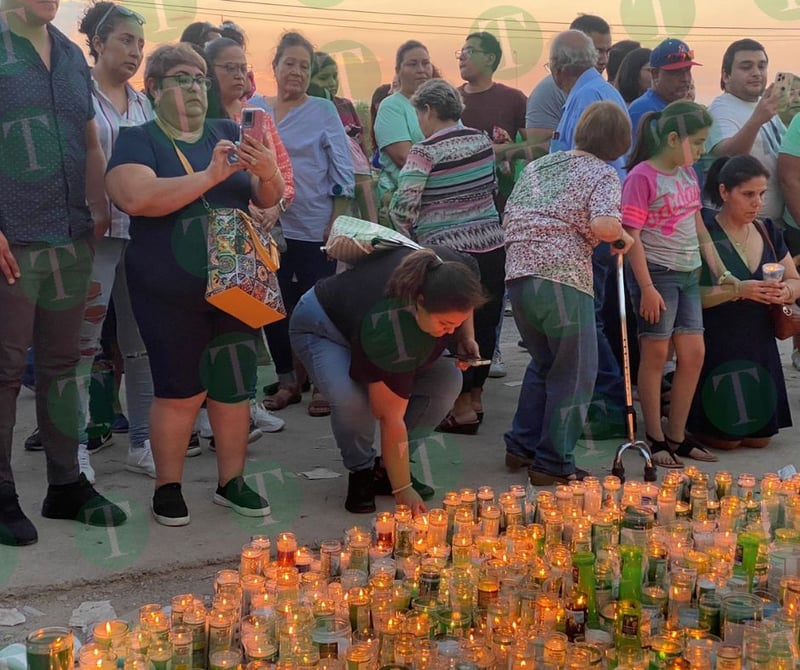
{"points": [[285, 396]]}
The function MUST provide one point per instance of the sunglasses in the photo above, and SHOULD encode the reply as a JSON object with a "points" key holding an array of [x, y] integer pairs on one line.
{"points": [[680, 57], [122, 11]]}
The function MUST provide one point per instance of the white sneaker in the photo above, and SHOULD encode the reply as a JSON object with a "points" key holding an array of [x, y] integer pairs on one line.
{"points": [[85, 463], [796, 359], [203, 425], [141, 461], [265, 420], [497, 369]]}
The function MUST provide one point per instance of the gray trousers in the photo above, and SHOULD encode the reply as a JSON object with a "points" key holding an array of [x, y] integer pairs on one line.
{"points": [[45, 308]]}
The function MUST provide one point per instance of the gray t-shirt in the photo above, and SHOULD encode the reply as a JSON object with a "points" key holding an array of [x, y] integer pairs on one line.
{"points": [[545, 104]]}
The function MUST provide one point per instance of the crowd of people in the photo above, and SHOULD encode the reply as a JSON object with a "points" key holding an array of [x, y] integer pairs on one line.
{"points": [[530, 200]]}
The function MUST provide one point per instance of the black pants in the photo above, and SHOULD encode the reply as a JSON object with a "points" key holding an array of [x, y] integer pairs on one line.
{"points": [[492, 265]]}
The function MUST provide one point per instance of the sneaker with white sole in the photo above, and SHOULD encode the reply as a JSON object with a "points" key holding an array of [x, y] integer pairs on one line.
{"points": [[85, 463], [169, 507], [255, 434], [193, 448], [497, 369], [202, 424], [243, 500], [265, 420], [140, 461]]}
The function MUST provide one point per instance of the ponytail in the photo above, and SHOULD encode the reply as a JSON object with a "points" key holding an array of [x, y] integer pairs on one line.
{"points": [[443, 285], [731, 172], [685, 118]]}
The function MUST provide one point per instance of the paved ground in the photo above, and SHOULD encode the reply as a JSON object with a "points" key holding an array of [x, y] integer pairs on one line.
{"points": [[143, 561]]}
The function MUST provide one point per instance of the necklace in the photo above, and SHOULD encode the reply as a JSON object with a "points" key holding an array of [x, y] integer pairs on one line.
{"points": [[741, 246]]}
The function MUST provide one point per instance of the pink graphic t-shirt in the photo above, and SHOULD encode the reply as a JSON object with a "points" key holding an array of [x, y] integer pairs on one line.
{"points": [[663, 206]]}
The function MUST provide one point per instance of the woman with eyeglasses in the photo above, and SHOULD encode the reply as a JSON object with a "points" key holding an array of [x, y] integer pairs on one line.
{"points": [[115, 37], [162, 174], [396, 125]]}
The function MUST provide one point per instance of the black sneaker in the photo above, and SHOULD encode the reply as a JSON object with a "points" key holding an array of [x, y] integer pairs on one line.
{"points": [[243, 500], [255, 434], [383, 487], [193, 448], [16, 530], [100, 442], [169, 508], [34, 441], [361, 492], [80, 502]]}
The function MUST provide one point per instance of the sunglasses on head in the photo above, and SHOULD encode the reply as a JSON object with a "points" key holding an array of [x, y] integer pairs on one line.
{"points": [[122, 11]]}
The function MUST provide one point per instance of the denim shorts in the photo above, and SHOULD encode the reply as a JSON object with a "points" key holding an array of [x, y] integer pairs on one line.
{"points": [[681, 294]]}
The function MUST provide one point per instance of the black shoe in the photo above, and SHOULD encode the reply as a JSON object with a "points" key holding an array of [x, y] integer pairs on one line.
{"points": [[383, 487], [193, 448], [16, 530], [168, 506], [243, 500], [80, 502], [34, 441], [361, 492], [100, 442]]}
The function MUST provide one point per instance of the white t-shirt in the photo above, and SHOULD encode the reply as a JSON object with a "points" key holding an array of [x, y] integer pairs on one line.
{"points": [[730, 114]]}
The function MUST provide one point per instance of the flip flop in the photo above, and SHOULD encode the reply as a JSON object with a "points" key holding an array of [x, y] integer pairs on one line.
{"points": [[319, 405], [691, 448], [284, 397], [542, 478], [661, 446]]}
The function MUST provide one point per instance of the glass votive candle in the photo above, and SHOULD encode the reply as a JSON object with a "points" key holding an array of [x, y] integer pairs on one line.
{"points": [[224, 659], [250, 559], [259, 647], [360, 657], [384, 530], [178, 605], [287, 549], [772, 271], [181, 642], [332, 637], [329, 554], [110, 634], [92, 655]]}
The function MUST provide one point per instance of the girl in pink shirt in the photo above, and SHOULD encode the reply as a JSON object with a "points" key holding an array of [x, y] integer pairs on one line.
{"points": [[661, 210]]}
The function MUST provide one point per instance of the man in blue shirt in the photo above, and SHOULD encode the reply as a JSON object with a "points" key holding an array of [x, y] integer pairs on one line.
{"points": [[52, 202], [671, 65]]}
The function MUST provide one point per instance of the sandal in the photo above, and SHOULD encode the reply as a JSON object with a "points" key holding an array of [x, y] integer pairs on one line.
{"points": [[670, 461], [542, 478], [319, 405], [691, 448], [450, 425], [285, 396]]}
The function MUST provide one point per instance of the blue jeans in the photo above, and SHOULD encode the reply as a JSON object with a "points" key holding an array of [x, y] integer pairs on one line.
{"points": [[609, 387], [556, 323], [326, 356]]}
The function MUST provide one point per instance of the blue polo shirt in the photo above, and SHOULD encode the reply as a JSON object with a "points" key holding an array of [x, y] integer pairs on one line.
{"points": [[43, 117], [649, 101], [590, 87]]}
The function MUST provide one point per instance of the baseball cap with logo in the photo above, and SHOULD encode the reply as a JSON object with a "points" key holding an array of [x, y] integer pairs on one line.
{"points": [[672, 54]]}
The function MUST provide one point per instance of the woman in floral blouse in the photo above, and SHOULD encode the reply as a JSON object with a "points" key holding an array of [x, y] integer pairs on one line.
{"points": [[563, 205]]}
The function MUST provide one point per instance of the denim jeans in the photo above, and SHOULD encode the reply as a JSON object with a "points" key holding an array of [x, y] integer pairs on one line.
{"points": [[44, 308], [326, 356], [556, 323], [609, 387], [109, 279]]}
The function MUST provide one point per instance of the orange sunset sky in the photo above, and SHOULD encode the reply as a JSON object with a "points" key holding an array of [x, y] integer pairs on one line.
{"points": [[363, 34]]}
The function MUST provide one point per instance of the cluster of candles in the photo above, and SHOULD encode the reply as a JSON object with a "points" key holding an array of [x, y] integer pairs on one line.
{"points": [[695, 573]]}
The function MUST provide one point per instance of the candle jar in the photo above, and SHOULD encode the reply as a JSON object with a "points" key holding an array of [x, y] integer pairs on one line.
{"points": [[553, 528], [160, 655], [194, 620], [250, 560], [329, 554], [485, 497], [490, 521], [259, 646], [437, 527], [358, 547], [358, 608], [225, 577], [469, 501], [178, 605], [681, 586], [359, 657], [225, 659], [612, 491], [772, 271], [220, 630], [332, 637], [546, 612], [736, 611], [287, 549], [110, 634], [593, 495], [181, 642], [92, 655], [50, 649]]}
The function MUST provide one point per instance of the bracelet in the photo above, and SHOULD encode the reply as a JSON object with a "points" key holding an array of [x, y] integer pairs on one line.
{"points": [[401, 489]]}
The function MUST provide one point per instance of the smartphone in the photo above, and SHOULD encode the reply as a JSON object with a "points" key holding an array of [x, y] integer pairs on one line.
{"points": [[785, 89], [252, 124], [472, 362]]}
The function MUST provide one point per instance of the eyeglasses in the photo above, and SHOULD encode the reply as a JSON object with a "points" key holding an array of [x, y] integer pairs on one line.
{"points": [[234, 68], [187, 82], [122, 11], [680, 57], [467, 52]]}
